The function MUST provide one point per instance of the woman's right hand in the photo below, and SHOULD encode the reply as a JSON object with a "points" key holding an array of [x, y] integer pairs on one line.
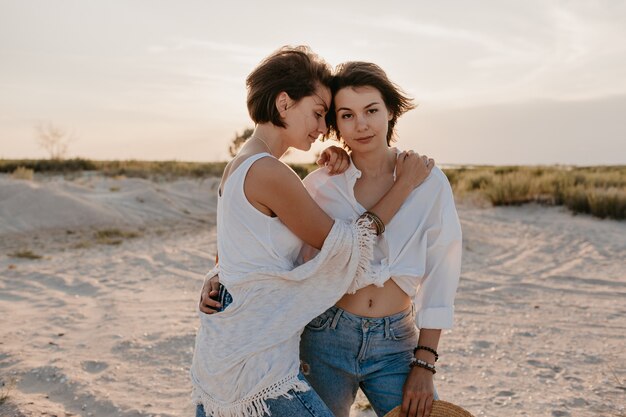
{"points": [[210, 289], [413, 169], [335, 159]]}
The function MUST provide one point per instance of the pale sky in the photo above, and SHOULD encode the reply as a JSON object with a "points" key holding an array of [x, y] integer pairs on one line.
{"points": [[497, 82]]}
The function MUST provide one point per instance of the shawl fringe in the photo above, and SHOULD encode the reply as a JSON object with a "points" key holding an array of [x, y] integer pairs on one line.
{"points": [[366, 239], [254, 406]]}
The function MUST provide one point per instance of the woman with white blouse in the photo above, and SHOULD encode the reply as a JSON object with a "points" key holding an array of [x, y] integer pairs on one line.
{"points": [[370, 338]]}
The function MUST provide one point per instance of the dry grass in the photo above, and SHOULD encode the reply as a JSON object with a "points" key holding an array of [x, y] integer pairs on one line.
{"points": [[47, 165], [155, 170], [22, 173], [83, 244], [160, 170], [114, 236], [25, 254], [599, 191]]}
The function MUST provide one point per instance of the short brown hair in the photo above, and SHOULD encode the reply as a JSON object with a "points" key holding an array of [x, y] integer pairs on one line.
{"points": [[295, 70], [362, 74]]}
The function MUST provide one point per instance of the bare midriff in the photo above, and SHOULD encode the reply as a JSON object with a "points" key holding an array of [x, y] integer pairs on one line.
{"points": [[373, 301]]}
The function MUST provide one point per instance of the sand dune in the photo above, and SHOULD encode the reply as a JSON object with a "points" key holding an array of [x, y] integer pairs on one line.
{"points": [[95, 329], [92, 201]]}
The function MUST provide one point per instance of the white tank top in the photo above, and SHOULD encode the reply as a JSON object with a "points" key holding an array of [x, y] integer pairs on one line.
{"points": [[247, 239]]}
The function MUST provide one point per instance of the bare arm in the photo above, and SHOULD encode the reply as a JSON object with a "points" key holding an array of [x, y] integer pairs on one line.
{"points": [[419, 390], [274, 188]]}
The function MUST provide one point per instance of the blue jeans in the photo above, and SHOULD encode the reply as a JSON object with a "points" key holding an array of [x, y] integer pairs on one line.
{"points": [[342, 352], [304, 404]]}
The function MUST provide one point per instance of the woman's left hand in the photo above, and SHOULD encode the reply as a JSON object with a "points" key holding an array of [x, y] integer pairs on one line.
{"points": [[418, 393], [336, 159]]}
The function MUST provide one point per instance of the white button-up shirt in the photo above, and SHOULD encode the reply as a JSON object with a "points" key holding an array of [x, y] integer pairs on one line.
{"points": [[421, 247]]}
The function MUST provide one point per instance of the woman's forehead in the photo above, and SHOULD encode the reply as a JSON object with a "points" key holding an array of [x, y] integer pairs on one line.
{"points": [[357, 94]]}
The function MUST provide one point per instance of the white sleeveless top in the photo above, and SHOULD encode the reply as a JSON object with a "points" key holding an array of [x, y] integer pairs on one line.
{"points": [[249, 352], [247, 239]]}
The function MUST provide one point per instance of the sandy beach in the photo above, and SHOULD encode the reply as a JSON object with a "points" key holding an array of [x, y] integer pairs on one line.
{"points": [[103, 322]]}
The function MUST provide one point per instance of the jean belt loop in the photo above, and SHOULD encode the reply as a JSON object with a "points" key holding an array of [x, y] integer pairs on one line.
{"points": [[336, 317], [387, 332]]}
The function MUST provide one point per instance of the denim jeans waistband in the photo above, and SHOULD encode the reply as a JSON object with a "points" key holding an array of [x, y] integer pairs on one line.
{"points": [[372, 323]]}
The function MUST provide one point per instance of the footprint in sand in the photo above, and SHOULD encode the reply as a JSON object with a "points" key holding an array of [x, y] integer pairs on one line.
{"points": [[539, 364], [482, 344], [94, 366], [506, 393], [577, 402], [592, 359]]}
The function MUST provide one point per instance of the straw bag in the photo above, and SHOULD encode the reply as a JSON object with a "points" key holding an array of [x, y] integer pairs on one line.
{"points": [[440, 409]]}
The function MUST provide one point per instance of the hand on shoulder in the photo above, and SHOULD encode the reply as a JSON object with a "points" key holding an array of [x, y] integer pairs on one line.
{"points": [[413, 168]]}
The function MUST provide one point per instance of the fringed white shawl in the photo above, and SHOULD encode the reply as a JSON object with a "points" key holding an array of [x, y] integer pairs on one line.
{"points": [[250, 352]]}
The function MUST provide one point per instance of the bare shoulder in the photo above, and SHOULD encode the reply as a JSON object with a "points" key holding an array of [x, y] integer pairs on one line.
{"points": [[272, 172], [239, 160]]}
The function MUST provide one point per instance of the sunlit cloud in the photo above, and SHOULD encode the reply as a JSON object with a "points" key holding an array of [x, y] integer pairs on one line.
{"points": [[416, 28], [232, 51]]}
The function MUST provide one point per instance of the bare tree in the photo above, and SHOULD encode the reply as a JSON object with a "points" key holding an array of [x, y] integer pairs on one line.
{"points": [[239, 140], [54, 139]]}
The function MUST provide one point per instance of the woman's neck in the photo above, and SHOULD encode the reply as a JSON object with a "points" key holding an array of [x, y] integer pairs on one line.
{"points": [[269, 138], [375, 163]]}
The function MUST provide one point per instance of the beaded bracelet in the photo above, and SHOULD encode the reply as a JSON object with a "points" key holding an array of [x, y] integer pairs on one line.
{"points": [[428, 349], [422, 364], [380, 226]]}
